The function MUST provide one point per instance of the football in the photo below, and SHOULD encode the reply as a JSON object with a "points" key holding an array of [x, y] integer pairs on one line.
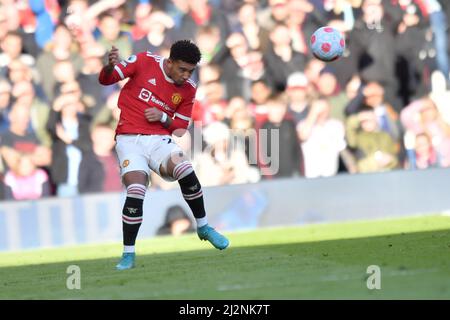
{"points": [[327, 44]]}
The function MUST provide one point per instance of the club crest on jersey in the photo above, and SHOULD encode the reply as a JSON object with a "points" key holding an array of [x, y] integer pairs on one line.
{"points": [[176, 98], [125, 163]]}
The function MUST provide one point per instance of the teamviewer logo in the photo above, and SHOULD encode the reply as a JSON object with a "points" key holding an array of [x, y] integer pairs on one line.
{"points": [[145, 95]]}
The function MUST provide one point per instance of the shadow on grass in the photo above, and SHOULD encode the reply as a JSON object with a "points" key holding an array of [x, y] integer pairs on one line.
{"points": [[413, 266]]}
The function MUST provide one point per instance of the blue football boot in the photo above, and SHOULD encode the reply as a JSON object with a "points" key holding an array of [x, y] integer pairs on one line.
{"points": [[127, 261], [217, 240]]}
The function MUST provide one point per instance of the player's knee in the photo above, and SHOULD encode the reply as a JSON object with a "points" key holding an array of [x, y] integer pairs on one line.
{"points": [[176, 166], [182, 170]]}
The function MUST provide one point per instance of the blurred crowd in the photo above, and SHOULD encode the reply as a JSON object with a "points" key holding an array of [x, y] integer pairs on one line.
{"points": [[265, 108]]}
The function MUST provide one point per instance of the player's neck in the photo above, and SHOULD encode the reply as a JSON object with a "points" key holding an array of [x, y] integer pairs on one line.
{"points": [[166, 69]]}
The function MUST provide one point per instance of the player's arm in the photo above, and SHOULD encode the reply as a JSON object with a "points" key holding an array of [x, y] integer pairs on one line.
{"points": [[154, 114], [178, 124], [182, 117], [114, 70], [107, 75]]}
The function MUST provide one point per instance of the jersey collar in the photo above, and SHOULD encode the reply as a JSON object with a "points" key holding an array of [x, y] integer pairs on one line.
{"points": [[161, 65]]}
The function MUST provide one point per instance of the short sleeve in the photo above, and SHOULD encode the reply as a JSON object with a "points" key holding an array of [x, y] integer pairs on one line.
{"points": [[128, 67]]}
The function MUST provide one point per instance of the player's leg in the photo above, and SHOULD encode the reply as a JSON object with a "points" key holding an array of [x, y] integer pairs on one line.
{"points": [[135, 173], [178, 167], [132, 213]]}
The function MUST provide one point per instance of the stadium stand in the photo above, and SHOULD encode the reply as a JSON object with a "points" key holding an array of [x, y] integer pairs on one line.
{"points": [[383, 103]]}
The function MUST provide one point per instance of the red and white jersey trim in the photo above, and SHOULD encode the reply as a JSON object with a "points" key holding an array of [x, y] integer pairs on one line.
{"points": [[178, 115], [119, 72]]}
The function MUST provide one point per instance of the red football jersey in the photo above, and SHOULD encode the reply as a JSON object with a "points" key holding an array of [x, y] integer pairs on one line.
{"points": [[149, 86]]}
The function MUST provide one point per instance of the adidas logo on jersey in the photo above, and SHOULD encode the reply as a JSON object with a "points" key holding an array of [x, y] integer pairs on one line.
{"points": [[152, 81]]}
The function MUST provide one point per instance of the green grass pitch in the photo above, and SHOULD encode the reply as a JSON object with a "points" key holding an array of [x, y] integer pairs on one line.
{"points": [[322, 261]]}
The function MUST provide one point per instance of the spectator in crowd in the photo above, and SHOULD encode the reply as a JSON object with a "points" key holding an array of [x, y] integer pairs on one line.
{"points": [[23, 93], [2, 186], [12, 46], [46, 14], [411, 42], [312, 71], [297, 94], [81, 17], [5, 104], [64, 72], [211, 103], [372, 95], [110, 113], [440, 94], [141, 25], [19, 139], [328, 87], [283, 157], [352, 88], [423, 155], [68, 125], [103, 147], [176, 222], [241, 123], [301, 23], [177, 9], [112, 35], [322, 139], [4, 28], [201, 13], [25, 181], [92, 94], [19, 71], [439, 26], [240, 66], [373, 148], [423, 116], [277, 12], [281, 60], [372, 47], [340, 13], [61, 48], [257, 37], [208, 41], [157, 35], [220, 164], [260, 94]]}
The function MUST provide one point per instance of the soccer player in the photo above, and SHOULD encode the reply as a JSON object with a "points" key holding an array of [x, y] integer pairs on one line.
{"points": [[155, 103]]}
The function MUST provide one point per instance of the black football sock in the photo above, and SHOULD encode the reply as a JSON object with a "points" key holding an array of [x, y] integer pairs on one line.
{"points": [[132, 213], [192, 193]]}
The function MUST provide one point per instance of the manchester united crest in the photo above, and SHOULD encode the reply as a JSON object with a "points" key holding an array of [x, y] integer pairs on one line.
{"points": [[176, 98]]}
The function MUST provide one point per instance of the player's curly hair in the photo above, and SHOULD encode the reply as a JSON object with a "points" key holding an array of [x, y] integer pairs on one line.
{"points": [[185, 50]]}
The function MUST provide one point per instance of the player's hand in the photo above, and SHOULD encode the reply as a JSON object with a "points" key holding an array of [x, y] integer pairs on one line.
{"points": [[113, 57], [153, 114]]}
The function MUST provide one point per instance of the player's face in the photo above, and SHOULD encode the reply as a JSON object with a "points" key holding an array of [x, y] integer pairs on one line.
{"points": [[180, 71]]}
